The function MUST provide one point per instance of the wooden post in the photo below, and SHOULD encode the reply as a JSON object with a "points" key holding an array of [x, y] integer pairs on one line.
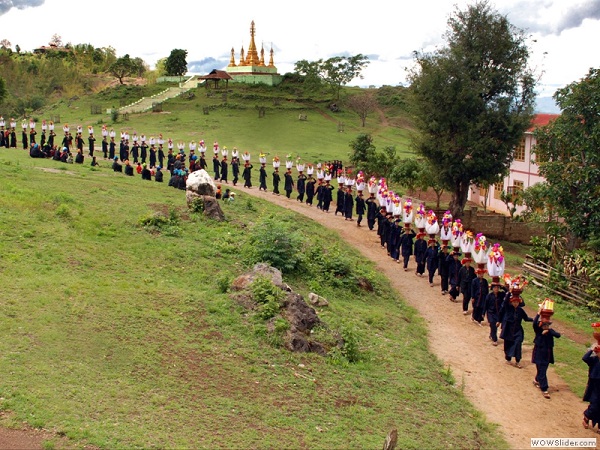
{"points": [[391, 440]]}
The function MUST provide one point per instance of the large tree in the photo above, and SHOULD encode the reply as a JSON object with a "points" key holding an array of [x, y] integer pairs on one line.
{"points": [[176, 64], [568, 156], [123, 67], [472, 100], [335, 72]]}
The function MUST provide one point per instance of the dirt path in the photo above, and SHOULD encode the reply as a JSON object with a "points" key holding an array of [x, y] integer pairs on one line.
{"points": [[503, 393]]}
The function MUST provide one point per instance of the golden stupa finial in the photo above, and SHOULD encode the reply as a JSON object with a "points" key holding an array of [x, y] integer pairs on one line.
{"points": [[252, 56], [242, 56], [271, 63], [232, 59], [262, 56]]}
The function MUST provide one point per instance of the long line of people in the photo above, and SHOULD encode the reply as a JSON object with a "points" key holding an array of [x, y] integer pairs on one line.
{"points": [[499, 302]]}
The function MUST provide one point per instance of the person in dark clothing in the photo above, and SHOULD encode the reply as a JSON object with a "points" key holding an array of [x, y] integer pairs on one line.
{"points": [[327, 194], [161, 157], [79, 157], [116, 166], [511, 316], [182, 182], [13, 139], [158, 177], [276, 180], [443, 269], [35, 152], [372, 209], [152, 156], [592, 389], [247, 174], [406, 245], [310, 189], [170, 161], [319, 193], [216, 167], [91, 140], [104, 148], [111, 148], [466, 275], [339, 206], [143, 152], [262, 178], [454, 267], [432, 257], [301, 186], [135, 152], [420, 248], [25, 139], [381, 226], [493, 302], [543, 351], [360, 208], [94, 162], [146, 174], [224, 170], [348, 204], [235, 169], [288, 183], [393, 234], [32, 134], [51, 137], [479, 292], [128, 169], [56, 156], [79, 142]]}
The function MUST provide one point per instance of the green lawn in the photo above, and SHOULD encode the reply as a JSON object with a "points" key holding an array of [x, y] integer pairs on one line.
{"points": [[119, 336]]}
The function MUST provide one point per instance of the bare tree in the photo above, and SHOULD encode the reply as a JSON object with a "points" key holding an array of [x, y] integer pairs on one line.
{"points": [[5, 43], [55, 41], [362, 105]]}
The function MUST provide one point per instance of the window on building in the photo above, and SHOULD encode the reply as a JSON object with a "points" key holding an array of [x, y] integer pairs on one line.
{"points": [[518, 186], [498, 188], [520, 151]]}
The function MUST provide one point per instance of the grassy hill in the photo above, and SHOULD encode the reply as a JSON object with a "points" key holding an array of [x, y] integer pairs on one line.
{"points": [[121, 335], [233, 120]]}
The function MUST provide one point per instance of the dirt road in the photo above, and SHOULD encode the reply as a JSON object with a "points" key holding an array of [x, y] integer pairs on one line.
{"points": [[503, 393]]}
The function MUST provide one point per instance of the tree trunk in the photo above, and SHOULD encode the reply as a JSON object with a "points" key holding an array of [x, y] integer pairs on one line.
{"points": [[459, 198]]}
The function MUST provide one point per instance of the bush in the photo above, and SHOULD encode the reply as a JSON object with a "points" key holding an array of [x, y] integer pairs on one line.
{"points": [[268, 296], [276, 244]]}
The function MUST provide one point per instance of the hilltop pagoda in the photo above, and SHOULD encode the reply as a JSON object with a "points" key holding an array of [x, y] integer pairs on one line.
{"points": [[251, 68]]}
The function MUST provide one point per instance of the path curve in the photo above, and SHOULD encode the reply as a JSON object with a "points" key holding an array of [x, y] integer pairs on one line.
{"points": [[503, 393]]}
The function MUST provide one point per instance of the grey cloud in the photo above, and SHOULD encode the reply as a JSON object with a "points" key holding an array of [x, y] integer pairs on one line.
{"points": [[526, 14], [7, 5]]}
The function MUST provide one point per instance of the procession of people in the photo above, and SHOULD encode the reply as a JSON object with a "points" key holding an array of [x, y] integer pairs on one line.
{"points": [[449, 249]]}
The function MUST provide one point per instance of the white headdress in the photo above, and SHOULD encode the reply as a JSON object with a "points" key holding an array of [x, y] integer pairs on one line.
{"points": [[90, 129], [31, 124], [246, 157]]}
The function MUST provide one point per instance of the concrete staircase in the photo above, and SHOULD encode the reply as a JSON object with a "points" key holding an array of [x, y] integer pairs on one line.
{"points": [[145, 103]]}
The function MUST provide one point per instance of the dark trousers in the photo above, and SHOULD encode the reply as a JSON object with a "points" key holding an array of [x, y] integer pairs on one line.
{"points": [[421, 267], [406, 258], [513, 348], [359, 219], [288, 193], [300, 197], [493, 328], [326, 205], [309, 200], [541, 377], [371, 223], [431, 274], [466, 301], [444, 281]]}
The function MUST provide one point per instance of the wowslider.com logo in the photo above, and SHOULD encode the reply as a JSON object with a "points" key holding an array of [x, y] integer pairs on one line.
{"points": [[563, 442]]}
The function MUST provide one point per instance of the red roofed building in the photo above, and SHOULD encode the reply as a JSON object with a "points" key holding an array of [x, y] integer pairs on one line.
{"points": [[523, 171]]}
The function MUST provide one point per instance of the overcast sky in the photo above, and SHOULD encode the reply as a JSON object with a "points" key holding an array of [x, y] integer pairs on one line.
{"points": [[563, 32]]}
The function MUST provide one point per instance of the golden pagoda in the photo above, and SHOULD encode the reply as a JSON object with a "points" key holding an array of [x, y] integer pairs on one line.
{"points": [[251, 67]]}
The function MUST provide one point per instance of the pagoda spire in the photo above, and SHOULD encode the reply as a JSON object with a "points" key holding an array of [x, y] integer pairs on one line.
{"points": [[232, 59], [252, 57], [271, 63], [242, 61], [262, 56]]}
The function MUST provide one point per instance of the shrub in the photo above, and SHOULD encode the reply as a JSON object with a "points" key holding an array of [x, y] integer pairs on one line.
{"points": [[275, 243], [268, 296]]}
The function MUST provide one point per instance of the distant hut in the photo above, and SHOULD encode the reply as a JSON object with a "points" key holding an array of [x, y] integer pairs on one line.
{"points": [[216, 76]]}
